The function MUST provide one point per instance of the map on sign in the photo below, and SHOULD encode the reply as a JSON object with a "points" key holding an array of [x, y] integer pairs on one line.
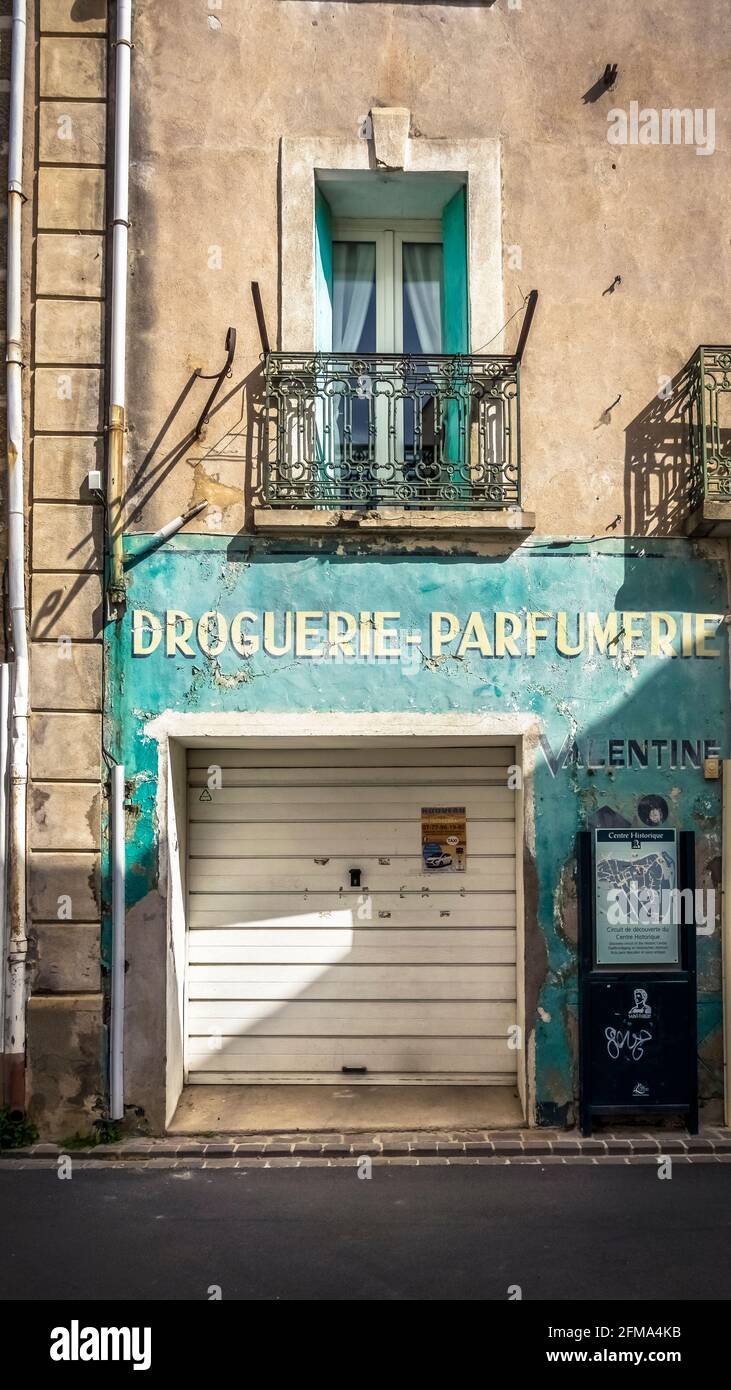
{"points": [[654, 871], [637, 903]]}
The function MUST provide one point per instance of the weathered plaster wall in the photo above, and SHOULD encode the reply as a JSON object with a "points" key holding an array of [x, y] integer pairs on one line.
{"points": [[215, 90], [65, 178], [591, 696]]}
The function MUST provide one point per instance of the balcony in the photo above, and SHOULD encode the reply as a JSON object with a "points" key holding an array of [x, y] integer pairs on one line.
{"points": [[369, 440], [709, 417]]}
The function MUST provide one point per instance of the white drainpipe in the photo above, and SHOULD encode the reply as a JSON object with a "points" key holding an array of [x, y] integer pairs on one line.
{"points": [[726, 881], [116, 1040], [6, 695], [115, 513], [18, 781], [117, 423]]}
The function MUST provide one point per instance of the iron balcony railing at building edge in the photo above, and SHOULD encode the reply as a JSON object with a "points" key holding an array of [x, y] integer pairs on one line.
{"points": [[349, 430], [709, 408]]}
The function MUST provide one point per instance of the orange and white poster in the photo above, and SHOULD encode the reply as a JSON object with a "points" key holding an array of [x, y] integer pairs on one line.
{"points": [[443, 839]]}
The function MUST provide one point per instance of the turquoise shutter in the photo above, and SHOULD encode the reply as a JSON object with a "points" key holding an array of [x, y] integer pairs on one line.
{"points": [[455, 329], [455, 301], [323, 331], [323, 274]]}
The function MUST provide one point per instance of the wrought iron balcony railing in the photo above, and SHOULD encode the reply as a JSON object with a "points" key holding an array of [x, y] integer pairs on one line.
{"points": [[709, 405], [406, 431]]}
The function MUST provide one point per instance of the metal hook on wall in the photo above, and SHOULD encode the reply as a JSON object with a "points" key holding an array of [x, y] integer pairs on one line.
{"points": [[218, 377]]}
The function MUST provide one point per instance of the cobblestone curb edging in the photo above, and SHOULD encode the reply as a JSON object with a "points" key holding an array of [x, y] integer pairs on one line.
{"points": [[522, 1147]]}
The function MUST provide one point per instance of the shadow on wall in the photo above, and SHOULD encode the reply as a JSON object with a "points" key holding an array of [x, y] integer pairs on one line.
{"points": [[239, 444], [49, 611], [447, 4], [658, 481], [82, 10]]}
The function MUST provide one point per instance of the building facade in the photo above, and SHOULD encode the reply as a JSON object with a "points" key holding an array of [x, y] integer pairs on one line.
{"points": [[453, 576]]}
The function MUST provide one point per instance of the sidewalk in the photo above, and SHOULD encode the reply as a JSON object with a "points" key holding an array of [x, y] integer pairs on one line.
{"points": [[472, 1146]]}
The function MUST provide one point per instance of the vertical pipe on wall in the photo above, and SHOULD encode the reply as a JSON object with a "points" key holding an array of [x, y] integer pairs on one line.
{"points": [[116, 1045], [18, 779], [726, 881], [726, 936], [6, 695], [120, 237]]}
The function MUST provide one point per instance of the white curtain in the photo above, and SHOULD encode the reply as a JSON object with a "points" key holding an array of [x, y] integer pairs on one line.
{"points": [[422, 291], [354, 273]]}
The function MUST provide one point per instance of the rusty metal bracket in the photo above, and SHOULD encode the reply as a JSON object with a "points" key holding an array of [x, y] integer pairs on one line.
{"points": [[260, 319], [530, 310], [218, 377]]}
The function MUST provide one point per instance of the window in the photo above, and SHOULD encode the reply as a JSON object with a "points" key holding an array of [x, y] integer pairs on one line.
{"points": [[383, 290], [387, 290], [392, 284], [387, 297], [408, 417]]}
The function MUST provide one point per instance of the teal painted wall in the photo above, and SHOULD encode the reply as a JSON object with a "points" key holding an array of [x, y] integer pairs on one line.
{"points": [[590, 697]]}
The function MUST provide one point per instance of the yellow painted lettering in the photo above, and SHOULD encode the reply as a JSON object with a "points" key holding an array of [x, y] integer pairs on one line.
{"points": [[686, 646], [475, 637], [212, 632], [505, 643], [384, 636], [245, 643], [598, 637], [632, 624], [705, 627], [661, 642], [341, 637], [306, 632], [178, 641], [145, 625], [534, 633], [366, 628], [271, 646], [444, 628], [563, 645]]}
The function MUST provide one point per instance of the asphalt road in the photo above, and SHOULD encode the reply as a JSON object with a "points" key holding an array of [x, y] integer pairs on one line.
{"points": [[604, 1232]]}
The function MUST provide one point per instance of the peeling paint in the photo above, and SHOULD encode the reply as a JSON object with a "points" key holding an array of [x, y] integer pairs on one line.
{"points": [[619, 696], [208, 488]]}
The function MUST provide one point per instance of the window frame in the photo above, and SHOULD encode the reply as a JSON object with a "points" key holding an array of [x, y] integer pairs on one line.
{"points": [[389, 235]]}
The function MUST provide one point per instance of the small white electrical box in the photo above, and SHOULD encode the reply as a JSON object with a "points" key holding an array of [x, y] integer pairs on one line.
{"points": [[94, 480]]}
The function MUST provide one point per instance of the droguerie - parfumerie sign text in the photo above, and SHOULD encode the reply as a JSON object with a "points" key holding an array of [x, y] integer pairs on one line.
{"points": [[332, 634]]}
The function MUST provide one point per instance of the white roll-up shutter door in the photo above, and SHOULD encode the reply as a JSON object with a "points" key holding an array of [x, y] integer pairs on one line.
{"points": [[292, 974]]}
